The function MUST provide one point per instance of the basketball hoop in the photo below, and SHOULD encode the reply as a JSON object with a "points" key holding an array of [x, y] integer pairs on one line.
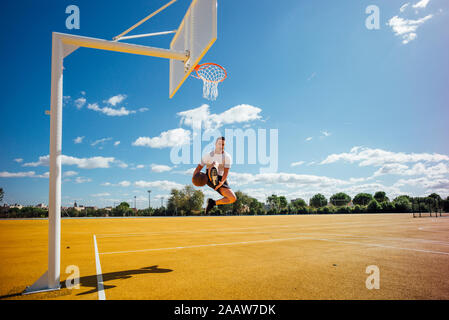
{"points": [[211, 74]]}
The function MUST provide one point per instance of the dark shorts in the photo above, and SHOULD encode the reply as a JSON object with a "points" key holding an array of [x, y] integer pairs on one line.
{"points": [[225, 184]]}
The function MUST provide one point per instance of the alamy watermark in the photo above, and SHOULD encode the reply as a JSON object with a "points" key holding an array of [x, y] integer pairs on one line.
{"points": [[73, 20], [261, 147], [373, 280], [372, 22]]}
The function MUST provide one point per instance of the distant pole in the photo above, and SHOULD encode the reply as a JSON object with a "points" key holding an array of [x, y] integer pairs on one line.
{"points": [[135, 202], [162, 201], [149, 199]]}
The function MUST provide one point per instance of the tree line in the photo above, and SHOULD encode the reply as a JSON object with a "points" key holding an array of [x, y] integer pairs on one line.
{"points": [[189, 201]]}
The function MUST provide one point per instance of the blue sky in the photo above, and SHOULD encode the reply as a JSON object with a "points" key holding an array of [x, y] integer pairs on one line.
{"points": [[356, 110]]}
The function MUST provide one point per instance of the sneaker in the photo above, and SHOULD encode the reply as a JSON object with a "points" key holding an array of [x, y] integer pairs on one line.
{"points": [[210, 205]]}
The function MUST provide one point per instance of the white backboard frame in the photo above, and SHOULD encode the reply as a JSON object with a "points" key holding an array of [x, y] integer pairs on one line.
{"points": [[196, 34]]}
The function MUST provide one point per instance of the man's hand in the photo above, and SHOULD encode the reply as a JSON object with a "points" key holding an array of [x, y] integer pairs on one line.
{"points": [[198, 169], [219, 185]]}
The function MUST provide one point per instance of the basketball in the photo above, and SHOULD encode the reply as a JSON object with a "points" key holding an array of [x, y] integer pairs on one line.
{"points": [[200, 179]]}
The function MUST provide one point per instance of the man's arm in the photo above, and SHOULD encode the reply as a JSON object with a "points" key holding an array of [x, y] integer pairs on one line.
{"points": [[223, 179], [198, 169]]}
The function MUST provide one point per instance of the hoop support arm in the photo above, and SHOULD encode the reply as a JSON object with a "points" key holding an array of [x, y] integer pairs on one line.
{"points": [[147, 35], [87, 42], [116, 38]]}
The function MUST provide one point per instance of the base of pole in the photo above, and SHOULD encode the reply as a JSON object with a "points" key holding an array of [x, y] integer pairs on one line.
{"points": [[41, 285]]}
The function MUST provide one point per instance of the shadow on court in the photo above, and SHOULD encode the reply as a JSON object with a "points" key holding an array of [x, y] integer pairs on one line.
{"points": [[92, 281]]}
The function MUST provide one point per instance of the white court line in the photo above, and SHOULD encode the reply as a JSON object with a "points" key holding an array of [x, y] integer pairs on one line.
{"points": [[388, 247], [275, 240], [101, 295]]}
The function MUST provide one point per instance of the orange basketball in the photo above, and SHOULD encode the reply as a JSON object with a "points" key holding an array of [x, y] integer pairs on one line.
{"points": [[200, 179]]}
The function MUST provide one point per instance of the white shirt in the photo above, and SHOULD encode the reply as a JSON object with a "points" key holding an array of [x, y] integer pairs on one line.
{"points": [[224, 160]]}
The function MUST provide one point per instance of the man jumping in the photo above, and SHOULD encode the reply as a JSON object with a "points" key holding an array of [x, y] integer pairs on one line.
{"points": [[222, 161]]}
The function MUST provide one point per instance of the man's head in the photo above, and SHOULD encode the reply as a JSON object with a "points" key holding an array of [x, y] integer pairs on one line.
{"points": [[219, 145]]}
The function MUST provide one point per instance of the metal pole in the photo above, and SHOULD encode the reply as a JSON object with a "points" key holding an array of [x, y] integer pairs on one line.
{"points": [[54, 216], [148, 35]]}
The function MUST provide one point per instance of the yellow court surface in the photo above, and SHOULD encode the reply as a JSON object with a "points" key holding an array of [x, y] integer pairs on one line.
{"points": [[241, 257]]}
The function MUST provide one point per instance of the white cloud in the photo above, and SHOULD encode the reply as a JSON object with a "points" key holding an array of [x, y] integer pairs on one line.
{"points": [[378, 157], [325, 133], [82, 180], [291, 180], [406, 28], [124, 183], [418, 169], [421, 4], [116, 143], [160, 168], [295, 164], [110, 111], [309, 138], [28, 174], [143, 109], [113, 101], [83, 163], [100, 141], [238, 114], [171, 138], [201, 116], [161, 184], [426, 182], [403, 7], [78, 140], [18, 160], [408, 37], [80, 102], [69, 174], [120, 164]]}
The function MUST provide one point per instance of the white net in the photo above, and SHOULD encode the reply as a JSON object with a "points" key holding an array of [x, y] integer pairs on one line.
{"points": [[210, 90], [211, 75]]}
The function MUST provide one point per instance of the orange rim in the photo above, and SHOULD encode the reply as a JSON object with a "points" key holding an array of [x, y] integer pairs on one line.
{"points": [[207, 65]]}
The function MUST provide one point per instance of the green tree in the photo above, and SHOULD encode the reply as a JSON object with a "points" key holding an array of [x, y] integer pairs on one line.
{"points": [[387, 206], [340, 199], [299, 203], [318, 201], [362, 199], [402, 197], [122, 210], [275, 204], [185, 201], [256, 207], [374, 206], [435, 196], [1, 194], [283, 202], [381, 196], [402, 204]]}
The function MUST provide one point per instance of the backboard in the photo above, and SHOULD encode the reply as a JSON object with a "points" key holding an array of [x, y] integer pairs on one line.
{"points": [[196, 34]]}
